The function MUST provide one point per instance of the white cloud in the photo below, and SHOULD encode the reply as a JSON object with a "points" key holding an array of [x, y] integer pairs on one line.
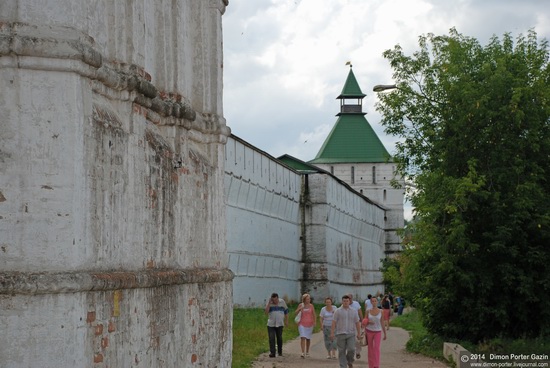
{"points": [[285, 59]]}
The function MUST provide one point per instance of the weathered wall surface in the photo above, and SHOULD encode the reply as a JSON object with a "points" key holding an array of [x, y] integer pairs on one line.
{"points": [[374, 181], [263, 225], [112, 218], [344, 241], [291, 233]]}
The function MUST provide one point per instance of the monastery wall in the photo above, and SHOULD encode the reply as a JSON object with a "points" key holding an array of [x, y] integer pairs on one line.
{"points": [[344, 241], [112, 214], [291, 233], [263, 225]]}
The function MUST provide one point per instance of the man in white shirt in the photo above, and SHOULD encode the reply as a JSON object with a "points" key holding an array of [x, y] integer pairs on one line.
{"points": [[354, 304], [368, 305], [277, 311], [346, 327]]}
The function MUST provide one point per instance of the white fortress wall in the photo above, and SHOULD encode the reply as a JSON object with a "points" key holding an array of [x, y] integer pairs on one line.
{"points": [[263, 225], [345, 240], [112, 213]]}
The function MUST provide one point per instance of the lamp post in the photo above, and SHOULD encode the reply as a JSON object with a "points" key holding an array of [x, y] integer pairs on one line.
{"points": [[383, 87]]}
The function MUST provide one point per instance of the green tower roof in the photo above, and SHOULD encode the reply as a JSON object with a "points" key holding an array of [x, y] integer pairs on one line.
{"points": [[351, 87], [352, 139]]}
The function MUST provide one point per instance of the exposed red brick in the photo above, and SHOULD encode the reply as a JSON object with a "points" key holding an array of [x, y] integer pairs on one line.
{"points": [[98, 329], [98, 358], [194, 358], [90, 317], [111, 328], [105, 343]]}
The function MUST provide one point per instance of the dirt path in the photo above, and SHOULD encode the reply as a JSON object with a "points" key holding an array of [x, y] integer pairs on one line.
{"points": [[393, 355]]}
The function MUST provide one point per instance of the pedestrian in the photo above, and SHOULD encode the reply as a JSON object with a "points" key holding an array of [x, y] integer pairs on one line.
{"points": [[277, 312], [368, 304], [368, 307], [401, 306], [354, 304], [397, 304], [327, 314], [307, 321], [374, 328], [386, 310], [346, 328]]}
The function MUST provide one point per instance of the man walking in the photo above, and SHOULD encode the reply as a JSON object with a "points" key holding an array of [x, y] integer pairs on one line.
{"points": [[277, 311], [354, 304], [346, 327]]}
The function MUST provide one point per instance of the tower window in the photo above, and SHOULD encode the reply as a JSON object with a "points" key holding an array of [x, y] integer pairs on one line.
{"points": [[353, 174], [374, 174], [385, 195], [332, 170]]}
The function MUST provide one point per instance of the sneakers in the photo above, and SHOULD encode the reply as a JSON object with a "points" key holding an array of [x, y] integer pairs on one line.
{"points": [[272, 355], [302, 356]]}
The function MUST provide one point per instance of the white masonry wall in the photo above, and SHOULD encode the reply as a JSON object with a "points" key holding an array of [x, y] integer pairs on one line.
{"points": [[374, 181], [345, 241], [263, 225], [330, 245], [112, 214]]}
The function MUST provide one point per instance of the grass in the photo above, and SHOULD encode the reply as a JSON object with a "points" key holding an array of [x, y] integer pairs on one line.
{"points": [[250, 333], [421, 341], [425, 343], [250, 337]]}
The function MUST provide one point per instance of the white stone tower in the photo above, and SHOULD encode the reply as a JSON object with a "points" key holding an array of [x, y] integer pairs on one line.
{"points": [[354, 153]]}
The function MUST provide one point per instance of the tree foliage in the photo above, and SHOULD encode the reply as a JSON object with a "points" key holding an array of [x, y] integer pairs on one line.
{"points": [[474, 127]]}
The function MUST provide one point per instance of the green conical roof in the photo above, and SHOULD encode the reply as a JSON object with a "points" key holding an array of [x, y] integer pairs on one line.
{"points": [[352, 140], [351, 87]]}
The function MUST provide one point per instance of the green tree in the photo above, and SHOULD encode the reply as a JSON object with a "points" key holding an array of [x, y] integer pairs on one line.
{"points": [[474, 128]]}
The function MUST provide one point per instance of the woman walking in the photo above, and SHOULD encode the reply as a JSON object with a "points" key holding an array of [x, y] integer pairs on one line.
{"points": [[386, 311], [327, 314], [306, 324], [374, 328]]}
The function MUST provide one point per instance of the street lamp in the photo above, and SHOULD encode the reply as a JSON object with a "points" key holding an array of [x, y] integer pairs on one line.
{"points": [[383, 87]]}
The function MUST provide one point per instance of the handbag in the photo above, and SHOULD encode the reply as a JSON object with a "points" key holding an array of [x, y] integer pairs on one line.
{"points": [[298, 317]]}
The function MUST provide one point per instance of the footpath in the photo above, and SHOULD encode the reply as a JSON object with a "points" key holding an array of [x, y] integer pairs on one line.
{"points": [[393, 354]]}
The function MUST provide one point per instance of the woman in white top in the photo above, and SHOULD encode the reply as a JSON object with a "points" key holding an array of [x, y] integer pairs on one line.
{"points": [[327, 314], [374, 329]]}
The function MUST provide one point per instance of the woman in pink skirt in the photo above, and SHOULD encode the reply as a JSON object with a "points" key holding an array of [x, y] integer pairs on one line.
{"points": [[375, 327]]}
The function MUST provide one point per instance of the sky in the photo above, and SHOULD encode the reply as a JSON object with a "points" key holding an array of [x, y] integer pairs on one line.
{"points": [[285, 60]]}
